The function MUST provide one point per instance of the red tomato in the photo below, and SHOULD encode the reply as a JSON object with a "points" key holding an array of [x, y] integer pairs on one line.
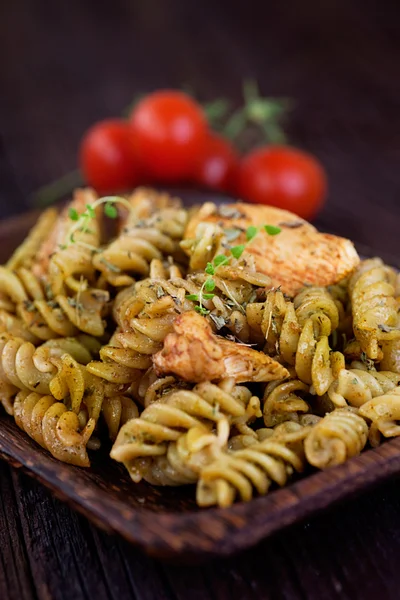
{"points": [[284, 177], [169, 130], [106, 157], [217, 165]]}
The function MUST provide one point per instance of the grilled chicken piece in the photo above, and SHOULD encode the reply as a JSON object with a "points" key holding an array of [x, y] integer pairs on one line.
{"points": [[195, 353], [298, 255]]}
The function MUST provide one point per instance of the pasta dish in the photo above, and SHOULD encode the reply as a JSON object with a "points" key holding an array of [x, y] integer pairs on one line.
{"points": [[230, 347]]}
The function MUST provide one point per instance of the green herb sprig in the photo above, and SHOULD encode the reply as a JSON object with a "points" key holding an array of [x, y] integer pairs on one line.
{"points": [[208, 287], [82, 220]]}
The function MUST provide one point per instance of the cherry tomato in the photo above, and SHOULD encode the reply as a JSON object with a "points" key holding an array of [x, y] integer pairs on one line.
{"points": [[106, 157], [284, 177], [169, 130], [217, 165]]}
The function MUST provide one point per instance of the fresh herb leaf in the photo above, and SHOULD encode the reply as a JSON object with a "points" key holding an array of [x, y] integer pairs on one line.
{"points": [[208, 296], [90, 211], [219, 260], [272, 229], [192, 297], [251, 232], [237, 251], [110, 211], [209, 285], [210, 270], [73, 214], [201, 310]]}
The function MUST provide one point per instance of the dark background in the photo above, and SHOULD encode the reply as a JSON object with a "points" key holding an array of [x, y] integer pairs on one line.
{"points": [[63, 65]]}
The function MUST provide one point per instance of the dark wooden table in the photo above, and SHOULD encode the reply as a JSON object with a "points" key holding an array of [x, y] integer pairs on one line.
{"points": [[64, 65]]}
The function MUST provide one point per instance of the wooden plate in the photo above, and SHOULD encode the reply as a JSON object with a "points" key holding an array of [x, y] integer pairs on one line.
{"points": [[165, 522]]}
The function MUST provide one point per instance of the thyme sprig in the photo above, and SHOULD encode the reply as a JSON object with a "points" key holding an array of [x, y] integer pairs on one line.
{"points": [[208, 287], [264, 114], [82, 220]]}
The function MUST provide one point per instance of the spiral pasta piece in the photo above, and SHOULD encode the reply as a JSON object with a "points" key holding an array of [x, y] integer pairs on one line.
{"points": [[148, 387], [206, 244], [48, 369], [46, 317], [75, 383], [186, 457], [144, 313], [283, 401], [340, 291], [65, 316], [13, 325], [144, 202], [244, 440], [70, 261], [19, 368], [83, 348], [210, 241], [340, 294], [358, 385], [25, 254], [384, 413], [374, 306], [18, 286], [297, 333], [317, 304], [337, 437], [165, 421], [239, 472], [53, 427], [153, 230], [233, 290], [118, 410]]}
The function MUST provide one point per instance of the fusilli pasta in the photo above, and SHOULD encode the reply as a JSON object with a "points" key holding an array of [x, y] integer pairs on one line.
{"points": [[62, 432], [273, 460], [384, 412], [297, 334], [164, 421], [358, 385], [153, 230], [168, 331], [335, 438], [375, 308]]}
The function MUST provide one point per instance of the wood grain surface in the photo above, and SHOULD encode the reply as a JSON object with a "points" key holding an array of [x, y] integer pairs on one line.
{"points": [[64, 65]]}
